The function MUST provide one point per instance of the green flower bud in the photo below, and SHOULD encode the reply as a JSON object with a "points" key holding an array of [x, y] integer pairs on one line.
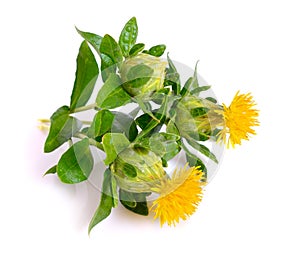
{"points": [[196, 117], [143, 74], [138, 170]]}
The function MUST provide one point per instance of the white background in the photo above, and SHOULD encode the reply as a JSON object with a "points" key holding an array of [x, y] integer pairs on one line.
{"points": [[251, 208]]}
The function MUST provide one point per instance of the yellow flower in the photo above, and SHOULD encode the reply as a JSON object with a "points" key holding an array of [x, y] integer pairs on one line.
{"points": [[239, 118], [179, 195]]}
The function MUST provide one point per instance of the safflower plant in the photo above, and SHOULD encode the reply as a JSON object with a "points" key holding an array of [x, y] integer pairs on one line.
{"points": [[169, 117]]}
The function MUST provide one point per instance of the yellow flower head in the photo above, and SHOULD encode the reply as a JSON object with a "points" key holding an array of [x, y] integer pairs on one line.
{"points": [[179, 196], [239, 118]]}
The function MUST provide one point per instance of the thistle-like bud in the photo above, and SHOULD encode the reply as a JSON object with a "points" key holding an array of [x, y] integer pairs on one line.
{"points": [[143, 74], [138, 170], [196, 117]]}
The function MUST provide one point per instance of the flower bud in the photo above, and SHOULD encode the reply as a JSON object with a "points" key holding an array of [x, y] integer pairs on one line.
{"points": [[138, 170], [196, 117], [143, 74]]}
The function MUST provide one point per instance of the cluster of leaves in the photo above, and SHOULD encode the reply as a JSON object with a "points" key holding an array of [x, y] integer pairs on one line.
{"points": [[111, 131]]}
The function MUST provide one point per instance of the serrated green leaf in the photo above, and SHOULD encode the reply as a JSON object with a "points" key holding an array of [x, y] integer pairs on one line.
{"points": [[128, 36], [62, 128], [112, 94], [137, 48], [113, 144], [52, 170], [203, 149], [86, 76], [135, 202], [157, 50], [124, 123], [111, 48], [76, 164], [106, 202], [94, 39], [101, 124]]}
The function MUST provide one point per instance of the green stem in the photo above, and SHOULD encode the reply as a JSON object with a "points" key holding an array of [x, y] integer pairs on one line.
{"points": [[84, 108], [91, 140]]}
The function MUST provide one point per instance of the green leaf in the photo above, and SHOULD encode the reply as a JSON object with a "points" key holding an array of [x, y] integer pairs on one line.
{"points": [[113, 144], [213, 100], [152, 125], [201, 137], [101, 124], [139, 71], [172, 149], [124, 123], [107, 66], [86, 75], [106, 202], [62, 128], [164, 144], [159, 95], [198, 90], [203, 149], [215, 134], [139, 75], [191, 84], [111, 48], [137, 48], [128, 36], [186, 86], [157, 144], [52, 170], [112, 94], [171, 128], [135, 202], [145, 107], [157, 50], [76, 164], [94, 39], [114, 191], [147, 123], [195, 161], [129, 170], [84, 130], [199, 111], [127, 198], [172, 77]]}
